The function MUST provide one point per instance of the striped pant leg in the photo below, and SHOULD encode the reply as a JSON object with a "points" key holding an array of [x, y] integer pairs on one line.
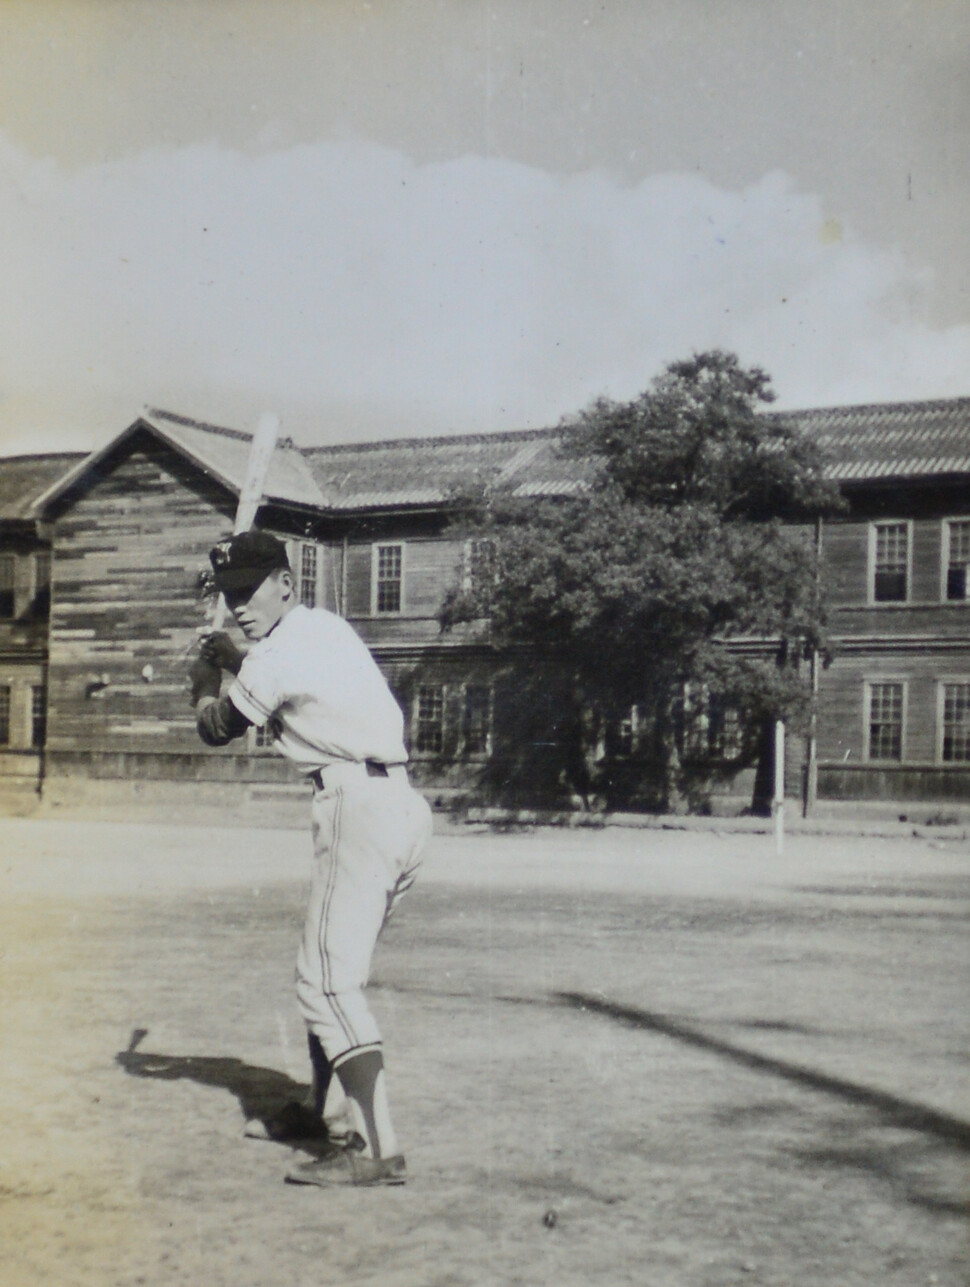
{"points": [[367, 839]]}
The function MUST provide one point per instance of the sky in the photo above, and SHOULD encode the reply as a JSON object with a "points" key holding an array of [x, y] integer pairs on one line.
{"points": [[428, 217]]}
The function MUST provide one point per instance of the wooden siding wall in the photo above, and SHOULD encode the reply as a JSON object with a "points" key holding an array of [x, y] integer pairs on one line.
{"points": [[358, 581], [125, 595], [842, 701], [845, 562], [917, 643], [430, 569], [927, 582], [331, 573], [846, 571], [128, 549]]}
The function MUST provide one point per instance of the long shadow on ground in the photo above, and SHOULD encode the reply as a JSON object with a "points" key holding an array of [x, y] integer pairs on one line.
{"points": [[904, 1113], [917, 1168], [264, 1094], [899, 1112]]}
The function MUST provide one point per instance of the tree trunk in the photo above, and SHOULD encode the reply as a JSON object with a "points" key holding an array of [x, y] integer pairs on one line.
{"points": [[764, 777], [675, 801]]}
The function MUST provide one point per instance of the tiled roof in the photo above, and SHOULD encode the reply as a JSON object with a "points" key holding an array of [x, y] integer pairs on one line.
{"points": [[863, 443], [23, 478], [423, 471], [891, 440]]}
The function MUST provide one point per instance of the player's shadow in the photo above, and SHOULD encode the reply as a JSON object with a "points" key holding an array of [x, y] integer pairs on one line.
{"points": [[264, 1094]]}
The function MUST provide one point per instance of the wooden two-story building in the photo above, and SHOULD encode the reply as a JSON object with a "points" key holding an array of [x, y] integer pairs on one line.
{"points": [[25, 559], [127, 530], [894, 706]]}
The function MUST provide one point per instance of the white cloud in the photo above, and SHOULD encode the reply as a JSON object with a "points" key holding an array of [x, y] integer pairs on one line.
{"points": [[359, 293]]}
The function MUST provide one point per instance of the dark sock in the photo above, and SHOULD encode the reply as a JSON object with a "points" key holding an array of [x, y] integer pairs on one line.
{"points": [[322, 1073], [359, 1074]]}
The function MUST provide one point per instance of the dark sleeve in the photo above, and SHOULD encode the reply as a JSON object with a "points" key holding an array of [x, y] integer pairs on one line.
{"points": [[220, 723]]}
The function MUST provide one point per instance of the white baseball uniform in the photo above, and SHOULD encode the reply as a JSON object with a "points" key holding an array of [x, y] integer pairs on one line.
{"points": [[315, 683]]}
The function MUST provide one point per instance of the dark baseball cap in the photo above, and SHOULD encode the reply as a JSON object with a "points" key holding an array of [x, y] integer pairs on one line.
{"points": [[244, 561]]}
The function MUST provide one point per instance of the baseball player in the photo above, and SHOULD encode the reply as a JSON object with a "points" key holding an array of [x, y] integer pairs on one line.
{"points": [[312, 681]]}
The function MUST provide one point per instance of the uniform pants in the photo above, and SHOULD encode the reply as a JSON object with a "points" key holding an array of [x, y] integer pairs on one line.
{"points": [[368, 837]]}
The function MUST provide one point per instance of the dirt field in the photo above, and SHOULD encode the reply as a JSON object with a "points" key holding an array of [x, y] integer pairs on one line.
{"points": [[713, 1066]]}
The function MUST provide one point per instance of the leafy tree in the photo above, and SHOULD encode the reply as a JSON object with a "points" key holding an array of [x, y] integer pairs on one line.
{"points": [[679, 580]]}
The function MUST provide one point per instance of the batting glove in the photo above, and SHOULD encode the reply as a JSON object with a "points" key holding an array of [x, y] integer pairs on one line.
{"points": [[205, 680], [219, 650]]}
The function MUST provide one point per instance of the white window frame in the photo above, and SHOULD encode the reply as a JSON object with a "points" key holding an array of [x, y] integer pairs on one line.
{"points": [[875, 681], [442, 690], [260, 740], [945, 560], [375, 565], [37, 717], [468, 559], [294, 553], [874, 525], [301, 549], [731, 732], [941, 685]]}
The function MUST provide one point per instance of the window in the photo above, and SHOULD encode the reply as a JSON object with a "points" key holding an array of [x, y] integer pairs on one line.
{"points": [[308, 575], [695, 719], [7, 565], [890, 563], [388, 577], [264, 738], [478, 564], [38, 715], [886, 721], [724, 731], [957, 558], [4, 714], [429, 735], [956, 723], [477, 720]]}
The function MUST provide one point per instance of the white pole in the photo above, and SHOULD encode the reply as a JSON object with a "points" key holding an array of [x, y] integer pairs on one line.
{"points": [[778, 804]]}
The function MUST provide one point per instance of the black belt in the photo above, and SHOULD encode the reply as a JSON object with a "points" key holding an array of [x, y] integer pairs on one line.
{"points": [[375, 769]]}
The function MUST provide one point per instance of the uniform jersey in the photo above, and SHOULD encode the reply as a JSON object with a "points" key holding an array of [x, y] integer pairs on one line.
{"points": [[314, 682]]}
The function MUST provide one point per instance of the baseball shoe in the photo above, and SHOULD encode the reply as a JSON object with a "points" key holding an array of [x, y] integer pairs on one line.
{"points": [[348, 1166], [293, 1122]]}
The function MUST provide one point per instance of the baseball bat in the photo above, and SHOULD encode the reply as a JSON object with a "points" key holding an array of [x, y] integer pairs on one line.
{"points": [[251, 493]]}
